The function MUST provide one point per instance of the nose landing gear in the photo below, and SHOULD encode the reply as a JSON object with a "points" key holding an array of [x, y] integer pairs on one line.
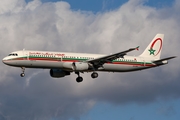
{"points": [[22, 74]]}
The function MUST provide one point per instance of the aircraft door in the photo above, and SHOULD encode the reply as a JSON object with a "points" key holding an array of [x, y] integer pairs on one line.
{"points": [[25, 55], [144, 63]]}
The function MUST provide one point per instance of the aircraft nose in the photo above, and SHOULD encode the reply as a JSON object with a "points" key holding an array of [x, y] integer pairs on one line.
{"points": [[8, 61], [4, 60]]}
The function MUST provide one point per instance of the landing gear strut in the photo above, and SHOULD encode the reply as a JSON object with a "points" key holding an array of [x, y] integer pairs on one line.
{"points": [[94, 75], [22, 74], [79, 78]]}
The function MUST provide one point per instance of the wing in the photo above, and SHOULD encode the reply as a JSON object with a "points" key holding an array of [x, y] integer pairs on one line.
{"points": [[98, 62]]}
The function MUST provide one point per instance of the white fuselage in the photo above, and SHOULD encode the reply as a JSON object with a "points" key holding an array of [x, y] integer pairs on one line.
{"points": [[63, 60]]}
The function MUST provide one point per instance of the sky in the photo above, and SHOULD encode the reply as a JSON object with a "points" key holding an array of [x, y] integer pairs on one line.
{"points": [[89, 26]]}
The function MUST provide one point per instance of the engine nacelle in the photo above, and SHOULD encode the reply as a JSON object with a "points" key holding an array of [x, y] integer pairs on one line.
{"points": [[80, 66], [57, 73]]}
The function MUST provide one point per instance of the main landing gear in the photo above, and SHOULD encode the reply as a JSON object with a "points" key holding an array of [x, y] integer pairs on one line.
{"points": [[22, 74], [94, 75], [80, 79]]}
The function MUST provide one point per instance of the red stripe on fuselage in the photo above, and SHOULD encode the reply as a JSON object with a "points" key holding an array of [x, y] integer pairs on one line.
{"points": [[59, 60]]}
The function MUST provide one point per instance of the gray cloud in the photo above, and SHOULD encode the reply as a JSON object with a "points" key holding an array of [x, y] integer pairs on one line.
{"points": [[55, 27]]}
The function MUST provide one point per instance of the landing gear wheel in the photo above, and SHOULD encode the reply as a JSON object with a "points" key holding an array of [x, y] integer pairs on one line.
{"points": [[22, 74], [94, 75], [23, 70], [79, 79]]}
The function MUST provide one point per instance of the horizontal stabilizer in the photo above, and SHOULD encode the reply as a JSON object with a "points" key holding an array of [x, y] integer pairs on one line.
{"points": [[161, 60]]}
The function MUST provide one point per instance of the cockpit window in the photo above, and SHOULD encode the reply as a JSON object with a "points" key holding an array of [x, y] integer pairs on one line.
{"points": [[13, 54]]}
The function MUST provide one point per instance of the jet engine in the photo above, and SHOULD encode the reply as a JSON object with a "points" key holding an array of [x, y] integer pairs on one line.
{"points": [[80, 66], [57, 73]]}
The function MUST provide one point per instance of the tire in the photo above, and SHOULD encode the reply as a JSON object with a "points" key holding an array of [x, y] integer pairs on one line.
{"points": [[94, 75], [22, 74], [79, 79]]}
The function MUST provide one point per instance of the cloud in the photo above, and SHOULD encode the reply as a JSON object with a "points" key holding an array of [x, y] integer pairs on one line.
{"points": [[166, 110], [56, 27]]}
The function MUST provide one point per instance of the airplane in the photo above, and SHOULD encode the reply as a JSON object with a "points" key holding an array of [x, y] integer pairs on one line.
{"points": [[62, 64]]}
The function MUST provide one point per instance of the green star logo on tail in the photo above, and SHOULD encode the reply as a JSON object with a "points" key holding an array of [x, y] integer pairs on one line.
{"points": [[152, 51]]}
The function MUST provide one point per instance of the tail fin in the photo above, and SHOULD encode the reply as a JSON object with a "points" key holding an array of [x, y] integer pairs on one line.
{"points": [[154, 49]]}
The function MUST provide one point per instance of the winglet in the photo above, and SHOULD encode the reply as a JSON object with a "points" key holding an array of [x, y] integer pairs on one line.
{"points": [[137, 48]]}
